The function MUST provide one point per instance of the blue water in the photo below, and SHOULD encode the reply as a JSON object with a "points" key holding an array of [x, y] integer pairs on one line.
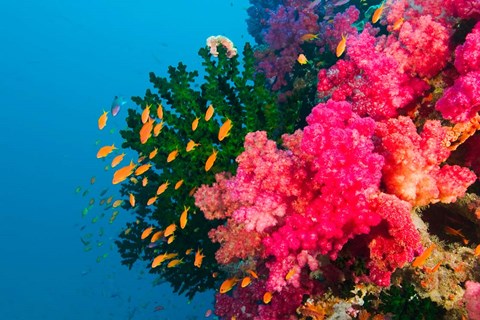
{"points": [[61, 63]]}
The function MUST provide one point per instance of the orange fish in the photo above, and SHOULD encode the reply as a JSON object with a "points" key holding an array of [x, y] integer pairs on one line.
{"points": [[267, 297], [109, 200], [144, 181], [172, 155], [397, 24], [476, 253], [170, 239], [105, 151], [159, 259], [195, 124], [134, 180], [184, 217], [435, 268], [211, 160], [146, 131], [178, 184], [142, 169], [224, 129], [153, 154], [102, 121], [156, 130], [290, 274], [302, 59], [117, 203], [151, 200], [170, 229], [146, 232], [377, 13], [123, 173], [192, 192], [161, 189], [156, 236], [253, 273], [160, 111], [308, 37], [132, 200], [246, 281], [174, 263], [209, 112], [140, 159], [117, 160], [341, 46], [228, 284], [420, 260], [188, 251], [146, 114], [191, 145], [198, 258]]}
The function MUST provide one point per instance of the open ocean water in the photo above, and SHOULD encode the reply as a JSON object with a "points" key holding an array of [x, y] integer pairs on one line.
{"points": [[61, 64]]}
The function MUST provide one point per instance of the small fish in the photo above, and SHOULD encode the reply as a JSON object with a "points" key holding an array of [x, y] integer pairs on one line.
{"points": [[159, 259], [174, 263], [160, 111], [92, 180], [131, 199], [184, 217], [146, 114], [152, 154], [253, 273], [198, 258], [246, 281], [228, 284], [147, 232], [290, 274], [142, 169], [161, 189], [146, 131], [134, 180], [397, 24], [302, 59], [191, 145], [144, 182], [172, 155], [421, 259], [308, 37], [116, 161], [209, 112], [158, 308], [156, 236], [105, 151], [127, 231], [208, 313], [341, 46], [78, 189], [117, 203], [170, 230], [178, 184], [377, 13], [91, 202], [170, 239], [188, 251], [224, 129], [123, 173], [435, 268], [267, 297], [114, 216], [195, 124], [117, 103], [102, 121], [476, 252], [110, 199], [211, 160], [151, 200], [157, 128]]}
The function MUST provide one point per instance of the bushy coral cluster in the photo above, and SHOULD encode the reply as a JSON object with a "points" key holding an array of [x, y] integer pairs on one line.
{"points": [[472, 299]]}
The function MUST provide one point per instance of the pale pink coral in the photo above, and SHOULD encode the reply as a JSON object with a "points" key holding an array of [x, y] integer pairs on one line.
{"points": [[472, 299], [412, 168], [214, 41]]}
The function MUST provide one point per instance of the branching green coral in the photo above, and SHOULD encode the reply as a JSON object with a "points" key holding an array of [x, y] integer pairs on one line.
{"points": [[236, 94]]}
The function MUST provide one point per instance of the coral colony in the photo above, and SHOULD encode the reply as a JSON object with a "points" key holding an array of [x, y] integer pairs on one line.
{"points": [[330, 173]]}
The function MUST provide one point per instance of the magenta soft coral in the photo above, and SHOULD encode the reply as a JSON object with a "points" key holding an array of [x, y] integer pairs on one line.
{"points": [[370, 79], [413, 170]]}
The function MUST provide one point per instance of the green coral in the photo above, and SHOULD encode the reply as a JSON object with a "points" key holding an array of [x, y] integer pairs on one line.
{"points": [[236, 93]]}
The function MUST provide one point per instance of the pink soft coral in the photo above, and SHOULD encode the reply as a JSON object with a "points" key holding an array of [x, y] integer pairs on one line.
{"points": [[412, 163], [472, 299]]}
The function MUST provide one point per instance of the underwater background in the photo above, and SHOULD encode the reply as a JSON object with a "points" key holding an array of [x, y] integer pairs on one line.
{"points": [[260, 159], [62, 63]]}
